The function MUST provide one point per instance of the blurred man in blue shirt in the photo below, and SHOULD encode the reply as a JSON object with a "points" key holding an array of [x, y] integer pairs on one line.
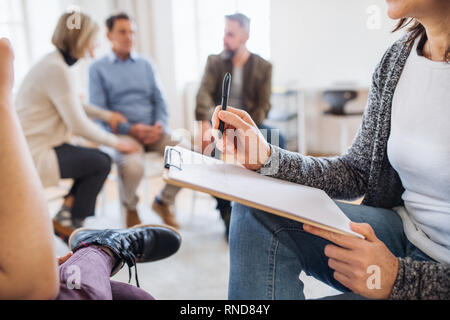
{"points": [[127, 83]]}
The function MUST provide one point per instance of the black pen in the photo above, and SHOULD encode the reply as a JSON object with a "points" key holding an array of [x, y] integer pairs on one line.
{"points": [[225, 96]]}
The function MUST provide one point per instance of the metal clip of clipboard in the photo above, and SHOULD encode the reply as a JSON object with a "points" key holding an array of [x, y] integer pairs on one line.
{"points": [[168, 159]]}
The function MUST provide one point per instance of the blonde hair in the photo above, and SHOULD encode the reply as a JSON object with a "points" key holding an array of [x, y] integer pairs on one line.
{"points": [[73, 32]]}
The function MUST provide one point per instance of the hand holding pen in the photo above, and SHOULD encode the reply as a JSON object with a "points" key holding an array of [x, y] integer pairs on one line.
{"points": [[241, 142]]}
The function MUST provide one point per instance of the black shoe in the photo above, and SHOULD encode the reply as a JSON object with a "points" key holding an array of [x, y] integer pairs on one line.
{"points": [[144, 243], [64, 224], [226, 217], [62, 231]]}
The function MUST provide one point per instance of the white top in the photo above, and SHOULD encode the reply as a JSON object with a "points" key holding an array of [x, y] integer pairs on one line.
{"points": [[50, 111], [419, 150]]}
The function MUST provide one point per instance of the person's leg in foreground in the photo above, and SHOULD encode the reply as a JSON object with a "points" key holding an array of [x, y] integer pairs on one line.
{"points": [[100, 254], [267, 253], [28, 267]]}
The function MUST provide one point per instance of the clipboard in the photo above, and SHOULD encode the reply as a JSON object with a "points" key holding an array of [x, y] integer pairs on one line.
{"points": [[191, 170]]}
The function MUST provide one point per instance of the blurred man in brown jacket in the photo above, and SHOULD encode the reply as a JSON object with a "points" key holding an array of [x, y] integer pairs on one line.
{"points": [[251, 88]]}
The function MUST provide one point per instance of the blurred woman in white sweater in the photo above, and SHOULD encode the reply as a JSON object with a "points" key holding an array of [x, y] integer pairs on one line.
{"points": [[50, 113]]}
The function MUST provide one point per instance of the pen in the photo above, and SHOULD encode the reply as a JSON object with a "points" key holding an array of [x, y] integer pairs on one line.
{"points": [[225, 96]]}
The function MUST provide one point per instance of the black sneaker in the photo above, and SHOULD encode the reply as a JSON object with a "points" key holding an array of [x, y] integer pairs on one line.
{"points": [[64, 216], [142, 243], [63, 225]]}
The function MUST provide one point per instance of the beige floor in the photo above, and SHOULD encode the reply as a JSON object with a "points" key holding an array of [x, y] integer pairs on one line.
{"points": [[199, 271]]}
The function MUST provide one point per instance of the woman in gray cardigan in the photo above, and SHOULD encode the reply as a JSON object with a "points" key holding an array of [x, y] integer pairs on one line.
{"points": [[398, 162]]}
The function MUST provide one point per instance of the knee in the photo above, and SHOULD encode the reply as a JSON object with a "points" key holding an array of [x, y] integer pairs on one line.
{"points": [[240, 208], [246, 232], [132, 169], [240, 212], [261, 220], [247, 212], [242, 219], [104, 163]]}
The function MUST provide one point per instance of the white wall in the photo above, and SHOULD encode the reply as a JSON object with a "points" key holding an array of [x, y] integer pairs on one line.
{"points": [[163, 54], [317, 42]]}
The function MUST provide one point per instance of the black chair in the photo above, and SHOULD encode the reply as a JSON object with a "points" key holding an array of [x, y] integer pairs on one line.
{"points": [[338, 100]]}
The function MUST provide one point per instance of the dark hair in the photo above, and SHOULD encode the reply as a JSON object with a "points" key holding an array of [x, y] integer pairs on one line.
{"points": [[242, 19], [112, 20], [417, 30]]}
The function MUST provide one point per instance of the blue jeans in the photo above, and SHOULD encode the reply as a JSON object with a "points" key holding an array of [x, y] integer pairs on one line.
{"points": [[267, 252]]}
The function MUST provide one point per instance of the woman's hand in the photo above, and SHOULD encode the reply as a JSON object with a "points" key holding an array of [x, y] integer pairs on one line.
{"points": [[115, 119], [127, 146], [62, 260], [365, 266], [242, 142]]}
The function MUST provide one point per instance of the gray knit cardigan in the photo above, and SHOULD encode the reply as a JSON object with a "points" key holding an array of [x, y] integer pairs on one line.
{"points": [[365, 171]]}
